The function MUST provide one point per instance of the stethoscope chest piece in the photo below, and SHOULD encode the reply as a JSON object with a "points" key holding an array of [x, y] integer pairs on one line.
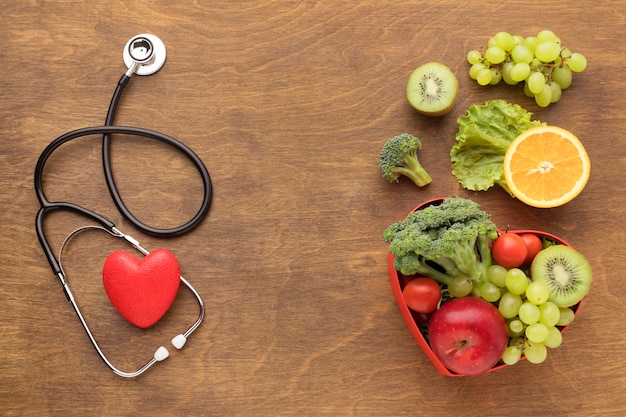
{"points": [[144, 54]]}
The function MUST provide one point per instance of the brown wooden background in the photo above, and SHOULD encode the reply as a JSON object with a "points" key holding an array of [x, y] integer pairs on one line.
{"points": [[288, 104]]}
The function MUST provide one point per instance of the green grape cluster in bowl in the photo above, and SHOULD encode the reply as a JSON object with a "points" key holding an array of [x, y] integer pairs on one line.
{"points": [[541, 62]]}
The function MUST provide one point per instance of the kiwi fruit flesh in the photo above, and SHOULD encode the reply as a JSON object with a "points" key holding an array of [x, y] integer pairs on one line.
{"points": [[566, 272], [432, 89]]}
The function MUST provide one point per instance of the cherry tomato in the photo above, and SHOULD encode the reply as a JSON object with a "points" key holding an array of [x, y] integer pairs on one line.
{"points": [[422, 294], [533, 245], [509, 250]]}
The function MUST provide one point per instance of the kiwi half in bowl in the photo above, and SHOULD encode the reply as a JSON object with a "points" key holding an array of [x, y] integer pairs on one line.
{"points": [[566, 272], [432, 89]]}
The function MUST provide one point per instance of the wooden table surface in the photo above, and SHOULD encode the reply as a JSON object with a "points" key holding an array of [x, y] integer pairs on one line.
{"points": [[288, 104]]}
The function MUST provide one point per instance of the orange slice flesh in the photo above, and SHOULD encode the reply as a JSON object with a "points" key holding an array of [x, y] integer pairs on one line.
{"points": [[546, 166]]}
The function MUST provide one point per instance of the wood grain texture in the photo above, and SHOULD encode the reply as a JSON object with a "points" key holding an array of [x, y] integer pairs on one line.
{"points": [[288, 104]]}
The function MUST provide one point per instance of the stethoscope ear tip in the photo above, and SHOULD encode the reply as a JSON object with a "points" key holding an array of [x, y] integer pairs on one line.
{"points": [[161, 354], [179, 341], [144, 54]]}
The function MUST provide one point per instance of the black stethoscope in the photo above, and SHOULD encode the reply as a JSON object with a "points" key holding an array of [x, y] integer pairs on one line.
{"points": [[143, 55]]}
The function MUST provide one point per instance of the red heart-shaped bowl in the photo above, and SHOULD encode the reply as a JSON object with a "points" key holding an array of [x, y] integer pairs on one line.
{"points": [[398, 281]]}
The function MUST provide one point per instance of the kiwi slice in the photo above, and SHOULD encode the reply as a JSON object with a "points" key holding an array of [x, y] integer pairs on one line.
{"points": [[432, 89], [566, 272]]}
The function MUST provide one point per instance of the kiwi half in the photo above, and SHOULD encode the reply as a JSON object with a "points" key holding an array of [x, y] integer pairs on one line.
{"points": [[432, 89], [566, 272]]}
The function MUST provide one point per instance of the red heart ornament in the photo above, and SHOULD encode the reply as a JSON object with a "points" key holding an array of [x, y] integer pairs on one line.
{"points": [[142, 290]]}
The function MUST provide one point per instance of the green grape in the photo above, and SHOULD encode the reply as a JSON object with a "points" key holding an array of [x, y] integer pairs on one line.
{"points": [[460, 287], [511, 355], [537, 332], [577, 62], [549, 314], [516, 327], [566, 316], [566, 53], [547, 36], [506, 72], [554, 339], [495, 54], [474, 57], [475, 69], [509, 305], [535, 352], [527, 91], [489, 292], [536, 82], [521, 53], [562, 76], [491, 42], [516, 281], [484, 76], [504, 40], [520, 72], [529, 313], [496, 274], [537, 292], [519, 39], [530, 42], [556, 92], [547, 51], [544, 98], [496, 76]]}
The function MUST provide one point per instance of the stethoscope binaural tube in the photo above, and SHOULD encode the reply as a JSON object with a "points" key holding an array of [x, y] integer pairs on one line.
{"points": [[147, 46]]}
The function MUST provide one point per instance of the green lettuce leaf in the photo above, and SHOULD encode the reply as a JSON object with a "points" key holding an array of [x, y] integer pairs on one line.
{"points": [[484, 135]]}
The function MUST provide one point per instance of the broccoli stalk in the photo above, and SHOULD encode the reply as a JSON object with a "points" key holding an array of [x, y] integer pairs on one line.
{"points": [[450, 241], [399, 157]]}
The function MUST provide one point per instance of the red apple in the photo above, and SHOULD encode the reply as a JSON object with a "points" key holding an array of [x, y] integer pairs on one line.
{"points": [[468, 335]]}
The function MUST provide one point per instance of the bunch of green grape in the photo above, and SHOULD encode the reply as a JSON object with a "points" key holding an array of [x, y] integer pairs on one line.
{"points": [[540, 62], [533, 321]]}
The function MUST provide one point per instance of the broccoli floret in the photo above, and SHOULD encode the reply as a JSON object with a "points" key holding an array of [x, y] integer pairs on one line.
{"points": [[399, 157], [446, 241]]}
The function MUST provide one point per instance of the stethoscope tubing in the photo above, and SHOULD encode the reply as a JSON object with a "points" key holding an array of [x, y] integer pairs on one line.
{"points": [[110, 178], [106, 131], [136, 131]]}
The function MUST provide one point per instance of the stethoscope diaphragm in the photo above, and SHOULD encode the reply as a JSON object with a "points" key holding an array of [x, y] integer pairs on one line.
{"points": [[144, 54]]}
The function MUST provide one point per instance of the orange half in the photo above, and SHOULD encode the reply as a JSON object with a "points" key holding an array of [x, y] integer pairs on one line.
{"points": [[546, 166]]}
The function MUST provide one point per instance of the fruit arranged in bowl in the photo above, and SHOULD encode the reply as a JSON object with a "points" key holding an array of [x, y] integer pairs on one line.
{"points": [[503, 296]]}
